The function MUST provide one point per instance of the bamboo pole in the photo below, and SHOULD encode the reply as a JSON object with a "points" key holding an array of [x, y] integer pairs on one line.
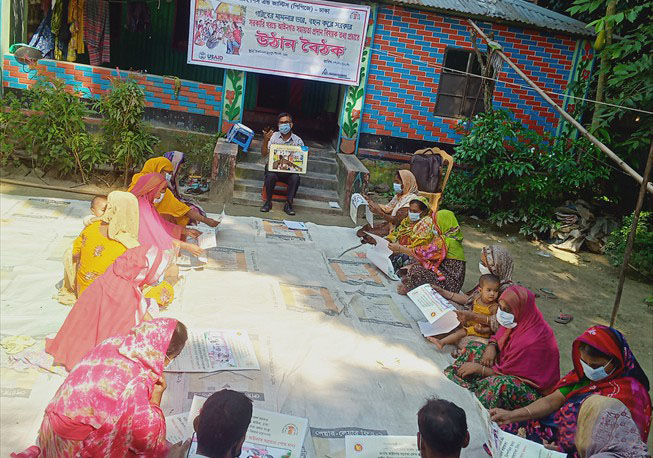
{"points": [[631, 236], [629, 170]]}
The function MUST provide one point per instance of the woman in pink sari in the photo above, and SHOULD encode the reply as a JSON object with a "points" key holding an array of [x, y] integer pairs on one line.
{"points": [[108, 406], [153, 229], [111, 306], [521, 361]]}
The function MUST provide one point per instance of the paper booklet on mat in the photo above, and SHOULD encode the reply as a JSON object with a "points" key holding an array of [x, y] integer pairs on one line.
{"points": [[506, 445], [356, 201], [208, 239], [288, 159], [209, 350], [295, 225], [176, 427], [438, 311], [379, 255], [270, 434], [381, 447]]}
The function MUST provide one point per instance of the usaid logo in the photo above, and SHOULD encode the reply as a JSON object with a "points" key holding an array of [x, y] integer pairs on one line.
{"points": [[202, 55]]}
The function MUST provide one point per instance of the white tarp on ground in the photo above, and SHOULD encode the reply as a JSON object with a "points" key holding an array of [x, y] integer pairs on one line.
{"points": [[335, 343]]}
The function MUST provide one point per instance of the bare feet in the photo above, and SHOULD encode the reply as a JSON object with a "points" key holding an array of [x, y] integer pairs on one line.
{"points": [[436, 342], [401, 289]]}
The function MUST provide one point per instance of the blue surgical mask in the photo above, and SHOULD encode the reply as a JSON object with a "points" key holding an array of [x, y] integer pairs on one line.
{"points": [[414, 217], [594, 374], [284, 128], [158, 199], [168, 177], [505, 319], [397, 188]]}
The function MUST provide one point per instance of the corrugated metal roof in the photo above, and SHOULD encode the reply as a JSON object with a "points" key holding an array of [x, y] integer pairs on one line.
{"points": [[509, 10]]}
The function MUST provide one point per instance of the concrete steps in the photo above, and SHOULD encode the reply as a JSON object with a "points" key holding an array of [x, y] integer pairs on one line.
{"points": [[254, 200], [318, 187]]}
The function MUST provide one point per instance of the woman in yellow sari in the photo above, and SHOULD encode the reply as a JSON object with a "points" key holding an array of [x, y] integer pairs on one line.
{"points": [[170, 207], [101, 243]]}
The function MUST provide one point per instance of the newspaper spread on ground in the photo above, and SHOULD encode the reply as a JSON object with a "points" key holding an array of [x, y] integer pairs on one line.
{"points": [[435, 308], [379, 255], [356, 201], [381, 447], [270, 434], [209, 350]]}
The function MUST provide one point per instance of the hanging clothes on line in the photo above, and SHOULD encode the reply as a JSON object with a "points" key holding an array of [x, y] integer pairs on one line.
{"points": [[97, 31], [76, 21]]}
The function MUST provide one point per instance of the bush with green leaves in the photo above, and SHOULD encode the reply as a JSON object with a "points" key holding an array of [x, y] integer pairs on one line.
{"points": [[198, 151], [122, 109], [641, 258], [54, 133], [515, 175]]}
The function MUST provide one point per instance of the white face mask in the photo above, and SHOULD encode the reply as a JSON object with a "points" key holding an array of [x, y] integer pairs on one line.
{"points": [[484, 270], [396, 187], [414, 217], [505, 319], [594, 374], [158, 199], [168, 177]]}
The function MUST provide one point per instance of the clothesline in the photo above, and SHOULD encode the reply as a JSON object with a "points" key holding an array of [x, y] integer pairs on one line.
{"points": [[507, 83]]}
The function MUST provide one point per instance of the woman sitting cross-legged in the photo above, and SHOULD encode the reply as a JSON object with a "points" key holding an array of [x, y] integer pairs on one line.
{"points": [[521, 362], [603, 364], [395, 211], [438, 260], [108, 406]]}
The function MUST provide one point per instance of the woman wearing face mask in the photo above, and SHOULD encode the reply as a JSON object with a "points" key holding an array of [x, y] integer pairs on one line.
{"points": [[439, 262], [604, 365], [416, 230], [521, 361], [152, 228], [405, 189], [169, 206]]}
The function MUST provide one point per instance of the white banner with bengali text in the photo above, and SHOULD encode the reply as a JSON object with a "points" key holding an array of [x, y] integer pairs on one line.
{"points": [[300, 39]]}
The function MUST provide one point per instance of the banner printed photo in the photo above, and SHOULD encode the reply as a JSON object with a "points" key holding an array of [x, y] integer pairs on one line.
{"points": [[310, 40]]}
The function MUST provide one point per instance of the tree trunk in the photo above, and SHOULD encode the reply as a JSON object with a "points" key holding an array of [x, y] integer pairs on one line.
{"points": [[605, 66]]}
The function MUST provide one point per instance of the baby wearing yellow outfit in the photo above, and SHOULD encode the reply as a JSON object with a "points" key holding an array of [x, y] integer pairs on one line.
{"points": [[485, 304]]}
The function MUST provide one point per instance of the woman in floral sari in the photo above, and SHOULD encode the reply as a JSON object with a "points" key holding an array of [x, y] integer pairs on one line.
{"points": [[415, 230], [440, 261], [603, 364], [520, 363], [108, 406]]}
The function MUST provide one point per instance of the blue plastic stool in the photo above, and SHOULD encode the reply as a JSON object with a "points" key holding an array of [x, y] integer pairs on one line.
{"points": [[241, 135]]}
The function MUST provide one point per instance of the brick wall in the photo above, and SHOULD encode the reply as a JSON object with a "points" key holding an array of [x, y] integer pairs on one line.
{"points": [[408, 53], [91, 82]]}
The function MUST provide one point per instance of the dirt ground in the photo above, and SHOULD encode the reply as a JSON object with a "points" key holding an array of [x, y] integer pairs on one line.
{"points": [[584, 284]]}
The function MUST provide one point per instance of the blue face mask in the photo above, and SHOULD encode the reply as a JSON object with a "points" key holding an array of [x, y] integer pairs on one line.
{"points": [[594, 374], [414, 217], [284, 128], [396, 187]]}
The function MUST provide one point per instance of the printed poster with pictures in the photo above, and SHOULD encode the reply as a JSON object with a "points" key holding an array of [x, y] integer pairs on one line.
{"points": [[288, 159], [439, 312], [270, 434], [315, 40]]}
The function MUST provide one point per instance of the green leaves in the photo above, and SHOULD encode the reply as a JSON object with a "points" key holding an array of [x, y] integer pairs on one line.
{"points": [[642, 254], [516, 176]]}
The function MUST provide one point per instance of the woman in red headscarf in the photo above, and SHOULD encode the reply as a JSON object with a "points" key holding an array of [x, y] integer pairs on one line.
{"points": [[604, 365], [108, 406], [521, 361], [153, 229], [111, 306]]}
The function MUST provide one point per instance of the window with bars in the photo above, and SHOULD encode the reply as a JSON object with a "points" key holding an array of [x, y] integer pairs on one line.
{"points": [[460, 95]]}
